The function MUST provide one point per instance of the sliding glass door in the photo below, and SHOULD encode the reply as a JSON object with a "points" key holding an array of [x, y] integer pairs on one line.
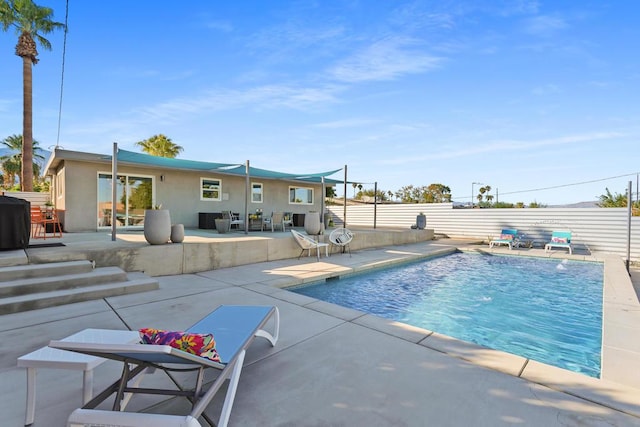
{"points": [[134, 194]]}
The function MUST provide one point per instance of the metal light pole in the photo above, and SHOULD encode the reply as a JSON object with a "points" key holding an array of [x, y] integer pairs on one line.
{"points": [[472, 192]]}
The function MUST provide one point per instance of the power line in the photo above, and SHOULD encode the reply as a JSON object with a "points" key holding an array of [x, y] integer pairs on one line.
{"points": [[64, 52], [564, 185], [569, 185]]}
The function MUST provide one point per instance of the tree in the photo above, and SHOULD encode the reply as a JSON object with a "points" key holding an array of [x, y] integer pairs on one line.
{"points": [[12, 163], [609, 200], [437, 193], [434, 193], [617, 200], [369, 192], [29, 21], [160, 145], [481, 196]]}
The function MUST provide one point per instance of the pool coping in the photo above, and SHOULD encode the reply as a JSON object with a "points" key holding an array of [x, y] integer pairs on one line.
{"points": [[619, 386]]}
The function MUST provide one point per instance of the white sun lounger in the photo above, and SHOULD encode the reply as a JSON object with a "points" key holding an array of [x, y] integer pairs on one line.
{"points": [[233, 328]]}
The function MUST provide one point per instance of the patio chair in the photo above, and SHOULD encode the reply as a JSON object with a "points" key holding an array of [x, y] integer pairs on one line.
{"points": [[234, 219], [306, 243], [341, 237], [41, 219], [559, 239], [276, 220], [232, 327], [507, 237]]}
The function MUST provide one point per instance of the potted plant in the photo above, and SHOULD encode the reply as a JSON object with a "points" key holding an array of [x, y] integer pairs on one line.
{"points": [[157, 225]]}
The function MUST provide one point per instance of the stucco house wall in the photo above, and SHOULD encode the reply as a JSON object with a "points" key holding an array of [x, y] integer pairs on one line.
{"points": [[179, 191]]}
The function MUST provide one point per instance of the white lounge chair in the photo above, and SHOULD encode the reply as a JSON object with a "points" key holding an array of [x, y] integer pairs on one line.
{"points": [[341, 238], [559, 239], [233, 328], [306, 243], [507, 237]]}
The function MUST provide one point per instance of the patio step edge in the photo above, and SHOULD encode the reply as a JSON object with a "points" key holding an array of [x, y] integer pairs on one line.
{"points": [[60, 282], [34, 301], [28, 271]]}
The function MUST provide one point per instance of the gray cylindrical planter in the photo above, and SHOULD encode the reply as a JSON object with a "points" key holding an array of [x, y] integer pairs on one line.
{"points": [[312, 223], [421, 222], [157, 226], [222, 225], [177, 233]]}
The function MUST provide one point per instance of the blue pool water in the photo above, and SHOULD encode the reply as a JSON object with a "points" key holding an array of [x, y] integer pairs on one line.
{"points": [[545, 310]]}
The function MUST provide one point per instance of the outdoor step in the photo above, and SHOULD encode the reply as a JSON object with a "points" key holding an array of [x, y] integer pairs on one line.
{"points": [[67, 281], [139, 283], [44, 270]]}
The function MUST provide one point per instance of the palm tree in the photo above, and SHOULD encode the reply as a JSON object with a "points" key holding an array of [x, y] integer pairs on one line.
{"points": [[29, 21], [12, 163], [160, 145]]}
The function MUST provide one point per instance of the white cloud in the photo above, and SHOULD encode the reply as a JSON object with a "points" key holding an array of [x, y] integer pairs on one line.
{"points": [[386, 59], [547, 89], [347, 123], [544, 25], [225, 27], [508, 145]]}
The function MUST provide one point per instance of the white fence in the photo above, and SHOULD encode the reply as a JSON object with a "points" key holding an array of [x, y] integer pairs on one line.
{"points": [[596, 229], [35, 198]]}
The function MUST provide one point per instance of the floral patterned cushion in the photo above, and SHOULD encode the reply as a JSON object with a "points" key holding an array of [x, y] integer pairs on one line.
{"points": [[559, 240], [202, 345], [506, 237]]}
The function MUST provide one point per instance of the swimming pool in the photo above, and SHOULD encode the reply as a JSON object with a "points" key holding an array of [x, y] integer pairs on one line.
{"points": [[545, 310]]}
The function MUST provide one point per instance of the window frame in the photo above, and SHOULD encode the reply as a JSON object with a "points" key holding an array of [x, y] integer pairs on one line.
{"points": [[261, 193], [212, 190], [295, 188]]}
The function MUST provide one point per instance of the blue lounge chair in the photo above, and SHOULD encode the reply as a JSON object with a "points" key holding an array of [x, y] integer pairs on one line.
{"points": [[507, 237], [233, 328], [559, 239]]}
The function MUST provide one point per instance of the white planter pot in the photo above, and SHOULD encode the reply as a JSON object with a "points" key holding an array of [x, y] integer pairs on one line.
{"points": [[157, 226], [222, 225], [177, 233], [312, 223]]}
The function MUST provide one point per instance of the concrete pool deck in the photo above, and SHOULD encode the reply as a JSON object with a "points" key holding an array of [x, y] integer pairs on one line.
{"points": [[335, 366]]}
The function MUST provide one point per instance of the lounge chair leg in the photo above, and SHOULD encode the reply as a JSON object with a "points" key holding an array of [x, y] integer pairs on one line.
{"points": [[273, 338], [234, 377], [231, 391]]}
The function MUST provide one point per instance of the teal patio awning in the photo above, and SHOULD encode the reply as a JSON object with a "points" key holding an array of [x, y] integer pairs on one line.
{"points": [[130, 157]]}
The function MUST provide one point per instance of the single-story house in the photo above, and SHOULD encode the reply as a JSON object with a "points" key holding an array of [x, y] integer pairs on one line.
{"points": [[194, 192]]}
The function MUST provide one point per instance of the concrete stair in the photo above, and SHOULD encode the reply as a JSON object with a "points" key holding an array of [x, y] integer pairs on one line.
{"points": [[35, 286]]}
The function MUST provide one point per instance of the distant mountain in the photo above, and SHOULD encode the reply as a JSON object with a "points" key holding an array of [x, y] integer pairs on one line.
{"points": [[593, 204]]}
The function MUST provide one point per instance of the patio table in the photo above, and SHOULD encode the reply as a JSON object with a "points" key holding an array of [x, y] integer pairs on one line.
{"points": [[47, 357]]}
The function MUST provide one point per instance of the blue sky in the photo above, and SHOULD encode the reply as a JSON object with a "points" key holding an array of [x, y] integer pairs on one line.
{"points": [[518, 95]]}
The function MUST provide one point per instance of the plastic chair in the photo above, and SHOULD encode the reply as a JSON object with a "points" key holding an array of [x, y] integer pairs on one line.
{"points": [[341, 237]]}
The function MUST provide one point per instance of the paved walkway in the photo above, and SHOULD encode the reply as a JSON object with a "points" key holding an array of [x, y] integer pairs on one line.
{"points": [[332, 366]]}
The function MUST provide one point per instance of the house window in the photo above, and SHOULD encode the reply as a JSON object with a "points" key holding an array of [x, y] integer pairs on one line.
{"points": [[211, 189], [59, 185], [256, 192], [300, 195]]}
